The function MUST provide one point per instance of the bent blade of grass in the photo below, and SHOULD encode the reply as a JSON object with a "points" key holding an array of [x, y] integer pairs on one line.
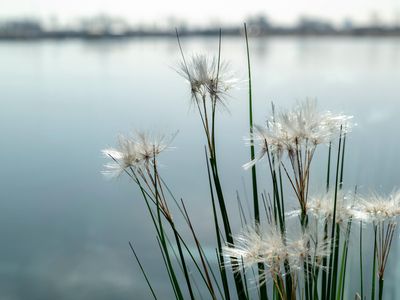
{"points": [[143, 272]]}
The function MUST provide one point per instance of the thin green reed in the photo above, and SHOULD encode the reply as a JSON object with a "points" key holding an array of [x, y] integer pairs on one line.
{"points": [[342, 274], [217, 183], [381, 281], [228, 232], [361, 262], [163, 240], [205, 277], [252, 151], [325, 259], [279, 213], [215, 102], [346, 250], [338, 185], [240, 288], [328, 169], [162, 206], [159, 230], [182, 259], [342, 162], [261, 267], [143, 272], [221, 259], [203, 259], [373, 284], [245, 280], [177, 241], [330, 293], [290, 293], [324, 279], [343, 264]]}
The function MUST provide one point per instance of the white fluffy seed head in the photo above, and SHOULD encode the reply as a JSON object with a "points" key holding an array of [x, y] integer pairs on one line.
{"points": [[322, 207], [149, 146], [305, 124], [307, 248], [123, 157], [302, 127], [378, 208], [248, 248], [252, 247], [134, 152], [207, 78], [273, 249]]}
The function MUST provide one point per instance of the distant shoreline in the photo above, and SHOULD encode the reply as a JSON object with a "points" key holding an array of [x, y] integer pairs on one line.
{"points": [[66, 35]]}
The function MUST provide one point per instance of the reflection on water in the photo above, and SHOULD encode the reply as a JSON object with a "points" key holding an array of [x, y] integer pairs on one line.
{"points": [[65, 229]]}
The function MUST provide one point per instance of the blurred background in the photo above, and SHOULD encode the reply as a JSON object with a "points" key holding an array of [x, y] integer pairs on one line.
{"points": [[74, 74]]}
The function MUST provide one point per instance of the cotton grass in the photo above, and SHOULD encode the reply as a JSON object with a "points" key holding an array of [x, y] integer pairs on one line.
{"points": [[279, 254]]}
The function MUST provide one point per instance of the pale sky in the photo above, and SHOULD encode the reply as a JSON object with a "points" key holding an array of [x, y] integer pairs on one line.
{"points": [[204, 11]]}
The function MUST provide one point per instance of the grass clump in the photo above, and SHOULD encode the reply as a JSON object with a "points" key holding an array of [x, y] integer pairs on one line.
{"points": [[291, 254]]}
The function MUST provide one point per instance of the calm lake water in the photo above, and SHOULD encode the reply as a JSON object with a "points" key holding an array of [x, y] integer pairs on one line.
{"points": [[64, 229]]}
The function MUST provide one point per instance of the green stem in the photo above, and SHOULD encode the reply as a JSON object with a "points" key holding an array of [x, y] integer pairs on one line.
{"points": [[143, 272], [361, 263], [227, 228], [214, 102], [335, 263], [328, 171], [324, 264], [380, 287], [165, 248], [342, 166], [252, 152], [374, 267], [330, 269], [343, 265], [261, 268], [185, 271], [218, 237], [315, 278], [160, 233]]}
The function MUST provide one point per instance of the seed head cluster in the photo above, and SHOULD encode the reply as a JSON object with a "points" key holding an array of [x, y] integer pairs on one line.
{"points": [[302, 128], [274, 250], [209, 78], [134, 152]]}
